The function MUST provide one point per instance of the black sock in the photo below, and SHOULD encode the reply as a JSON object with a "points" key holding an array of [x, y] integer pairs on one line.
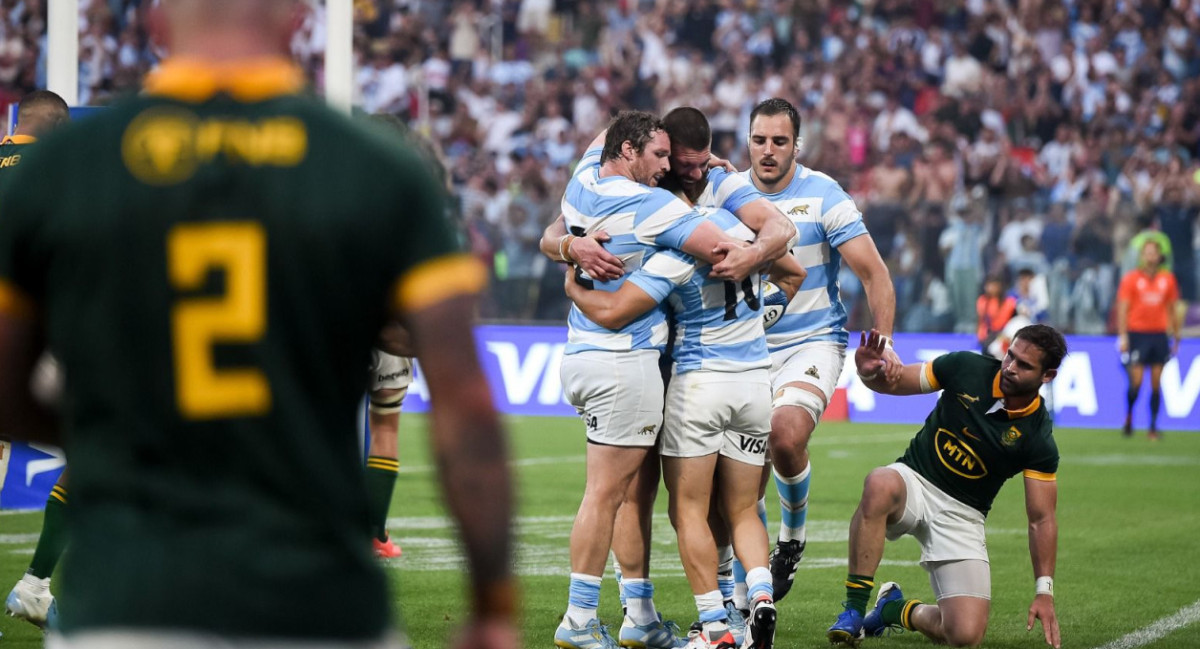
{"points": [[1155, 402]]}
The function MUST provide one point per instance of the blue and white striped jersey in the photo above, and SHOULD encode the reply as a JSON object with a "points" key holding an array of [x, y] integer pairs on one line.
{"points": [[728, 191], [641, 220], [718, 324], [826, 217]]}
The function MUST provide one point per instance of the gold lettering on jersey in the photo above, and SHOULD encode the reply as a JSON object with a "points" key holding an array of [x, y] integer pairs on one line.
{"points": [[10, 161], [166, 145], [967, 400], [958, 456]]}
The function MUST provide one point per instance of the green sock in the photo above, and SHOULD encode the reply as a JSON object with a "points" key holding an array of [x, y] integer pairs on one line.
{"points": [[858, 591], [381, 482], [54, 534], [899, 612]]}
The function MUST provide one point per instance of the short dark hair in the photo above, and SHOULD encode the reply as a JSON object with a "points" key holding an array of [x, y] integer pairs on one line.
{"points": [[1046, 338], [778, 106], [634, 126], [688, 127], [42, 110]]}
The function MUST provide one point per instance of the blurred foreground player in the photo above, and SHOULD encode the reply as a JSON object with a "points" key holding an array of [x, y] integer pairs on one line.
{"points": [[234, 255], [39, 112]]}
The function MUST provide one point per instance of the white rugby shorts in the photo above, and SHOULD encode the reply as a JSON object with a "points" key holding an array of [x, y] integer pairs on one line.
{"points": [[619, 395], [817, 363], [946, 528], [389, 372], [718, 412]]}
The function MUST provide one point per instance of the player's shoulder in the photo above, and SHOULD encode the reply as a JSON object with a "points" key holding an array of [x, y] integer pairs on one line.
{"points": [[964, 364], [822, 184]]}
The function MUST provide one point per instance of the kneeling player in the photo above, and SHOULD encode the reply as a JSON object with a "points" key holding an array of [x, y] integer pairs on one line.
{"points": [[988, 425]]}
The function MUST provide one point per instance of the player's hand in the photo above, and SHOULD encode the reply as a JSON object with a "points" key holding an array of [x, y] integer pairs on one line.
{"points": [[869, 357], [589, 253], [738, 262], [489, 634], [1042, 609], [720, 163], [892, 365], [1123, 343]]}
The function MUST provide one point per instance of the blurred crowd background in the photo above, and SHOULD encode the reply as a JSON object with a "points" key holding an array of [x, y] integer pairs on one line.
{"points": [[1029, 142]]}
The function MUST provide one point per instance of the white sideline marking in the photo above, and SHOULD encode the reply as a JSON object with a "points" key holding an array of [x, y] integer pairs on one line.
{"points": [[1132, 460], [1145, 635], [18, 539], [580, 459], [529, 461]]}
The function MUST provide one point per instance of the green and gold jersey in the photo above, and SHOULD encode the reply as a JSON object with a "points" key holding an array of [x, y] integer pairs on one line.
{"points": [[12, 149], [212, 262], [970, 445]]}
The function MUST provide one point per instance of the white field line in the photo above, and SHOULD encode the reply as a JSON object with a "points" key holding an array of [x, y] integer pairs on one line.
{"points": [[579, 459], [429, 545], [1159, 629]]}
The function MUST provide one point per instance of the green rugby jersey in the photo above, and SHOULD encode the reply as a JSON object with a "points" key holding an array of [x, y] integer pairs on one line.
{"points": [[970, 445], [213, 261], [12, 150]]}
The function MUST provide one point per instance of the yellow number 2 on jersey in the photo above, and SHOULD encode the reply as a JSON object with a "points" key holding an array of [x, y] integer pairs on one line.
{"points": [[239, 316]]}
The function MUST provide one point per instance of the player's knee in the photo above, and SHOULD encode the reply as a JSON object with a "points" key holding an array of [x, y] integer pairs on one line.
{"points": [[881, 490], [387, 401], [964, 635]]}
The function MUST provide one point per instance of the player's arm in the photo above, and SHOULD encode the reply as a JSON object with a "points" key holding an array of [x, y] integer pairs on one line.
{"points": [[1041, 499], [395, 340], [21, 344], [788, 275], [588, 251], [863, 258], [871, 361], [1176, 310], [611, 310], [469, 443], [1123, 318], [776, 233]]}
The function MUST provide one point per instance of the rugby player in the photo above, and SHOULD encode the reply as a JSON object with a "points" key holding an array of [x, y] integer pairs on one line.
{"points": [[989, 424], [808, 344], [38, 113], [219, 257]]}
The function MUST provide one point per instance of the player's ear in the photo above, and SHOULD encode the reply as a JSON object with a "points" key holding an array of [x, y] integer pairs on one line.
{"points": [[1048, 375]]}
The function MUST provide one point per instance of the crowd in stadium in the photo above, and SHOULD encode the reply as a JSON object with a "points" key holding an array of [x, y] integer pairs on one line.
{"points": [[979, 138]]}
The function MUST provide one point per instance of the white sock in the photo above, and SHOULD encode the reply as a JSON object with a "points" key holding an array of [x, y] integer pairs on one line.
{"points": [[639, 601]]}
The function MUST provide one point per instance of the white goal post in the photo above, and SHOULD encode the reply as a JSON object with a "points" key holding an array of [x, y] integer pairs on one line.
{"points": [[62, 56]]}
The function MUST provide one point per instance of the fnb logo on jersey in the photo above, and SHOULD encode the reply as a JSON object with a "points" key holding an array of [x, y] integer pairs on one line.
{"points": [[958, 456]]}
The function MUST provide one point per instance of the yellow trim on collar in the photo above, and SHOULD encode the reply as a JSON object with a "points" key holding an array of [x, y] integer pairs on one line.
{"points": [[996, 387], [195, 80], [18, 139], [1026, 411]]}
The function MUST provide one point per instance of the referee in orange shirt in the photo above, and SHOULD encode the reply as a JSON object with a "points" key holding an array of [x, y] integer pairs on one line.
{"points": [[1147, 311]]}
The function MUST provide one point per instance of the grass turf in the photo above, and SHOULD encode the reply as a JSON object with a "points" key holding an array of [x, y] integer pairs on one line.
{"points": [[1129, 517]]}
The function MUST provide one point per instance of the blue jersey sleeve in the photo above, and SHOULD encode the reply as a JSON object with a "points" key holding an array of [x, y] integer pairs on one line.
{"points": [[731, 191]]}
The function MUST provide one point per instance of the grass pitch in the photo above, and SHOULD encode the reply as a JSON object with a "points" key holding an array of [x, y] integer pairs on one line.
{"points": [[1128, 559]]}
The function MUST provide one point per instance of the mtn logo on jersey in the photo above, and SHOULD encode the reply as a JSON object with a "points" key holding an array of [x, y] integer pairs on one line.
{"points": [[958, 456]]}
